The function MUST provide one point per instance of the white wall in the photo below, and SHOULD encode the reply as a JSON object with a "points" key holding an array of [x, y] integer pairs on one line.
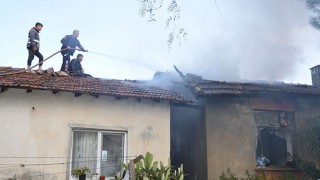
{"points": [[46, 130]]}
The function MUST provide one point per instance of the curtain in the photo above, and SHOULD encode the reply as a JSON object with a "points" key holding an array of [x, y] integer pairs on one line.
{"points": [[85, 149]]}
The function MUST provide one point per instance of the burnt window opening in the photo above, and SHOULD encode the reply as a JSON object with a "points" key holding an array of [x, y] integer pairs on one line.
{"points": [[275, 138]]}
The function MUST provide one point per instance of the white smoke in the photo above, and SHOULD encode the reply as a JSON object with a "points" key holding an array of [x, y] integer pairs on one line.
{"points": [[255, 40], [251, 39]]}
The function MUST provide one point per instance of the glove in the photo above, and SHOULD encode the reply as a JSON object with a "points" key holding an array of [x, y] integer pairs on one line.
{"points": [[34, 49]]}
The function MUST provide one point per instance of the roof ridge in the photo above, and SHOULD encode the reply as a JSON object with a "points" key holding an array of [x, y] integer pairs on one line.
{"points": [[98, 86]]}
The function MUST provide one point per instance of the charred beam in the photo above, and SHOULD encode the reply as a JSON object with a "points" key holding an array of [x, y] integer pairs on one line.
{"points": [[180, 73], [186, 105], [77, 94], [29, 90]]}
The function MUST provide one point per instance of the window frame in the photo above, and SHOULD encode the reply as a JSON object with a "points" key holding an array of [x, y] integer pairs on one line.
{"points": [[292, 132], [100, 133]]}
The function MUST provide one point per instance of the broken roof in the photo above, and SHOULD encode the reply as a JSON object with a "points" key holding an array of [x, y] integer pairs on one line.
{"points": [[206, 88], [94, 86]]}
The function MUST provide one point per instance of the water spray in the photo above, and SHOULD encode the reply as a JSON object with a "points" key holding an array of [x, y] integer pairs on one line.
{"points": [[124, 59]]}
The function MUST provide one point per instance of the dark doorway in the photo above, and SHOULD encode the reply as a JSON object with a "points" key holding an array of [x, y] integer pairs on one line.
{"points": [[188, 140]]}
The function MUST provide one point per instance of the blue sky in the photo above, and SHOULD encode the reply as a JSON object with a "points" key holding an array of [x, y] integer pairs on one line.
{"points": [[250, 40]]}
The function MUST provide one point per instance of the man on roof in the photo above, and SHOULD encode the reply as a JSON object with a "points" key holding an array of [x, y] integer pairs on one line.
{"points": [[33, 45], [76, 67], [69, 42]]}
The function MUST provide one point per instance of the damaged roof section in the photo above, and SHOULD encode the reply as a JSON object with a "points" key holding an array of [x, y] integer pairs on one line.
{"points": [[55, 81], [206, 88]]}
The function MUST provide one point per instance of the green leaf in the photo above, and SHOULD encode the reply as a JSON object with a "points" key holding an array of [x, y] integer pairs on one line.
{"points": [[125, 166], [148, 160], [145, 178], [139, 165], [181, 178], [155, 165], [161, 165]]}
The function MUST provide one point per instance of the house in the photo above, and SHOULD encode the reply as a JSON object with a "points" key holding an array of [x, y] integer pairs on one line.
{"points": [[52, 123], [232, 124]]}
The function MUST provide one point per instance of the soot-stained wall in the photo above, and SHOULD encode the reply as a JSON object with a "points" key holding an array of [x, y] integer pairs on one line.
{"points": [[188, 140]]}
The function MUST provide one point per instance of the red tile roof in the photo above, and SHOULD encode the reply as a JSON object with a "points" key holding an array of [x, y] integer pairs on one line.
{"points": [[96, 86], [204, 88]]}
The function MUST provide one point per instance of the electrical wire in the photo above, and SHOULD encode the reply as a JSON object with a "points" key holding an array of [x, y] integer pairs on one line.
{"points": [[64, 163], [43, 157], [62, 173], [69, 172]]}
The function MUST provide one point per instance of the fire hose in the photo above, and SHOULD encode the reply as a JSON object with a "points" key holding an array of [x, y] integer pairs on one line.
{"points": [[102, 54], [24, 70]]}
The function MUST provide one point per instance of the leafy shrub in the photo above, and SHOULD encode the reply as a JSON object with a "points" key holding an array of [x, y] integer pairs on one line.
{"points": [[229, 175], [80, 171], [146, 169], [311, 134]]}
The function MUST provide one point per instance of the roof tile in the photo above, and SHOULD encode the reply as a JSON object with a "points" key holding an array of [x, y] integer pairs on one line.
{"points": [[110, 87], [204, 87]]}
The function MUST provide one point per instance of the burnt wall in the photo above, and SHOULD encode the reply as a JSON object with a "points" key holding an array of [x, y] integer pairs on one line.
{"points": [[231, 136], [188, 140], [306, 109], [232, 129]]}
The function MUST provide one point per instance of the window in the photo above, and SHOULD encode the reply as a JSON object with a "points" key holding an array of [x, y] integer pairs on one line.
{"points": [[100, 151], [275, 136]]}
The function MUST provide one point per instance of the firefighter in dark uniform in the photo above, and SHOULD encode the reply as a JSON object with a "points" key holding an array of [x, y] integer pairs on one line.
{"points": [[76, 68], [33, 45], [69, 41]]}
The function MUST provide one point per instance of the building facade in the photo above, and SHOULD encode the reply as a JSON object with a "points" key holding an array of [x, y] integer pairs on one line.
{"points": [[51, 124], [240, 123]]}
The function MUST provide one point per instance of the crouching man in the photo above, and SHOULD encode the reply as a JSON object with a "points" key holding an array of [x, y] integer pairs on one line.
{"points": [[76, 68]]}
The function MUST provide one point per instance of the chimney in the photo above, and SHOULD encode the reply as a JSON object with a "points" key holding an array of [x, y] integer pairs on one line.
{"points": [[315, 75]]}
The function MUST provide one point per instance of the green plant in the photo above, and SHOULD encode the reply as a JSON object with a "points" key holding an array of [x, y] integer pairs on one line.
{"points": [[257, 176], [310, 171], [229, 175], [311, 134], [80, 171], [14, 177], [147, 169], [149, 7]]}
